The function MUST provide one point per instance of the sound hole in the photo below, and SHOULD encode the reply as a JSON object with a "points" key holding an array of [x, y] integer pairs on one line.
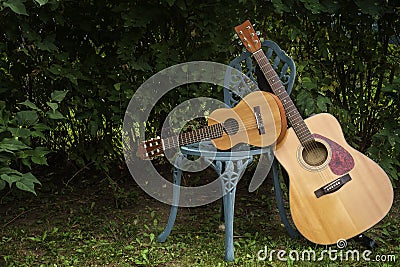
{"points": [[231, 126], [315, 153]]}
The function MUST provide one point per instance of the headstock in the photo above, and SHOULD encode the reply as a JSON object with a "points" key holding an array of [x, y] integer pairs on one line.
{"points": [[249, 38], [151, 148]]}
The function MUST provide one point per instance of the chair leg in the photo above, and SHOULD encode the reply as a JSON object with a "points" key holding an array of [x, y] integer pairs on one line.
{"points": [[294, 233], [229, 207], [174, 208], [232, 171]]}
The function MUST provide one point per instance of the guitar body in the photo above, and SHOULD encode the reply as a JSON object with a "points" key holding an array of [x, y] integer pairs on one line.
{"points": [[259, 120], [337, 192], [241, 124]]}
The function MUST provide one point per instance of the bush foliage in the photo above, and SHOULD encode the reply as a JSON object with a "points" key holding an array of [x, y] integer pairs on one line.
{"points": [[69, 68]]}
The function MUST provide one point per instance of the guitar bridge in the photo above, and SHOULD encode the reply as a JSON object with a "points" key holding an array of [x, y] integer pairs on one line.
{"points": [[259, 121], [332, 186]]}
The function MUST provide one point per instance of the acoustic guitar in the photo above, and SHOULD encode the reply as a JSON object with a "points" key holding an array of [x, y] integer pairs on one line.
{"points": [[258, 119], [335, 192]]}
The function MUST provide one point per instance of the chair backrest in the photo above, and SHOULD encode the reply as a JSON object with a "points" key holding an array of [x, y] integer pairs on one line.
{"points": [[241, 86]]}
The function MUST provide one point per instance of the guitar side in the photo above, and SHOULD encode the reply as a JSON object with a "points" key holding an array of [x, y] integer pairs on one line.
{"points": [[356, 206]]}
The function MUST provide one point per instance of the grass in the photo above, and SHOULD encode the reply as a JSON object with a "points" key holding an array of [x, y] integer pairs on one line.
{"points": [[116, 224]]}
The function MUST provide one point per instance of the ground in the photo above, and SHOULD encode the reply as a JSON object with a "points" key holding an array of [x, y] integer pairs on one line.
{"points": [[109, 221]]}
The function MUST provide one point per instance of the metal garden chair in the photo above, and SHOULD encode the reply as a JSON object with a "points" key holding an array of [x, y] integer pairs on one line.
{"points": [[230, 165]]}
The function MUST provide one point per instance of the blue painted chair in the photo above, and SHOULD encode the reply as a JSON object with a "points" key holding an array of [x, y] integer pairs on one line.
{"points": [[230, 165]]}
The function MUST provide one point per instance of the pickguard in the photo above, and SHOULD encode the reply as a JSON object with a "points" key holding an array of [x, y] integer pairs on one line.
{"points": [[341, 162]]}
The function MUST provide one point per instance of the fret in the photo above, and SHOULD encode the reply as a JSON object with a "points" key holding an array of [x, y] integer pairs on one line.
{"points": [[280, 91], [208, 132], [286, 99], [296, 120]]}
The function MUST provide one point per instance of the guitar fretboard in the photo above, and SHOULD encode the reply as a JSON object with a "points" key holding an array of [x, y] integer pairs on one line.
{"points": [[205, 133], [293, 115]]}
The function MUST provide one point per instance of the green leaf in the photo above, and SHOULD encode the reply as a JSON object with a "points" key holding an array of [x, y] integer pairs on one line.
{"points": [[29, 104], [27, 163], [312, 5], [17, 6], [58, 96], [370, 7], [2, 185], [170, 2], [27, 117], [39, 160], [41, 127], [305, 102], [38, 134], [20, 132], [308, 83], [6, 155], [8, 170], [322, 103], [42, 2], [27, 183], [72, 78], [55, 115], [53, 106], [26, 186], [10, 179], [55, 69], [37, 152], [12, 144], [47, 45], [280, 7], [117, 86], [31, 178]]}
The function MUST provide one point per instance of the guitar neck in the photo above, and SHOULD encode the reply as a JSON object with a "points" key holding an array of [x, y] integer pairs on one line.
{"points": [[293, 115], [208, 132]]}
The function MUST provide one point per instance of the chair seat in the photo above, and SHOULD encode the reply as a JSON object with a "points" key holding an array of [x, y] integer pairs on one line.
{"points": [[207, 149]]}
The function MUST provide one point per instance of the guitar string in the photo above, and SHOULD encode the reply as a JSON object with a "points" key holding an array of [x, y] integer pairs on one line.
{"points": [[310, 146], [236, 129]]}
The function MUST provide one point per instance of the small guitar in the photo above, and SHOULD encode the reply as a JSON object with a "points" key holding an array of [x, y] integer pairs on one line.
{"points": [[258, 119], [335, 191]]}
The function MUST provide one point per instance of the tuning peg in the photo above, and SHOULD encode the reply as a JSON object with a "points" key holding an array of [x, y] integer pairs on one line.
{"points": [[240, 43], [235, 36], [258, 33]]}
